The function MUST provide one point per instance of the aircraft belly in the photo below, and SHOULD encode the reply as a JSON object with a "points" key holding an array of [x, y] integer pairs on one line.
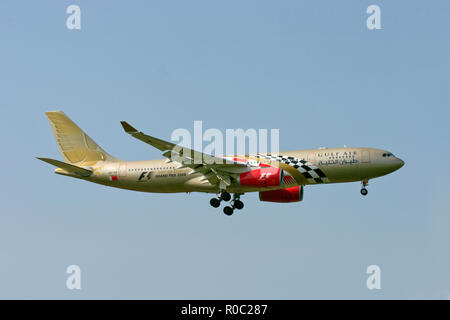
{"points": [[341, 173]]}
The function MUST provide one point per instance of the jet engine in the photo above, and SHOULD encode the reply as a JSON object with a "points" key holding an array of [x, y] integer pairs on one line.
{"points": [[292, 194], [261, 177]]}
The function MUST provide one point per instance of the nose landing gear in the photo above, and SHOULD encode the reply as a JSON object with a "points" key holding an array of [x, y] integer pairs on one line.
{"points": [[236, 203], [364, 191]]}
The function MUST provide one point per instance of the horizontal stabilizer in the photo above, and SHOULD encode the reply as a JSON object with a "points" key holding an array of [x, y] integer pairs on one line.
{"points": [[68, 167]]}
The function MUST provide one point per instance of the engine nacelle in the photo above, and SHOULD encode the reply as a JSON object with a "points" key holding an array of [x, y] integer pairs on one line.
{"points": [[292, 194], [261, 177]]}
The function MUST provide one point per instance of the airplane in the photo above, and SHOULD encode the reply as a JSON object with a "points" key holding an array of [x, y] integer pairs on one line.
{"points": [[277, 177]]}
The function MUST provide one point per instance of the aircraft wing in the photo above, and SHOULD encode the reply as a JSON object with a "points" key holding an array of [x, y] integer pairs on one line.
{"points": [[216, 170]]}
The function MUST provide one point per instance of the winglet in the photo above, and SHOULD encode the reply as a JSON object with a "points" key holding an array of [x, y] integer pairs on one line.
{"points": [[127, 127]]}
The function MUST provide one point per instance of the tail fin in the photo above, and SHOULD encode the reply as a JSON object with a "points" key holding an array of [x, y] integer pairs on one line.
{"points": [[76, 146]]}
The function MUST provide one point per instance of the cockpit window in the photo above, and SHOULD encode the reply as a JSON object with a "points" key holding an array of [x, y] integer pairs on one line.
{"points": [[388, 155]]}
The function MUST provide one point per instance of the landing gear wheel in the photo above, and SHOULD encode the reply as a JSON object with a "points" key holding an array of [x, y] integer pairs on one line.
{"points": [[364, 191], [228, 211], [238, 204], [225, 196], [214, 202]]}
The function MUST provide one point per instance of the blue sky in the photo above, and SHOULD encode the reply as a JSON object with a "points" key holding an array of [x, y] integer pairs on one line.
{"points": [[309, 68]]}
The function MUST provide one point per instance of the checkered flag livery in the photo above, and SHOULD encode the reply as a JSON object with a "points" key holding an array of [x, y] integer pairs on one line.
{"points": [[312, 173]]}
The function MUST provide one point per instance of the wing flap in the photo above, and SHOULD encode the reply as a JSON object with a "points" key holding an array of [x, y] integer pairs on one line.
{"points": [[215, 169]]}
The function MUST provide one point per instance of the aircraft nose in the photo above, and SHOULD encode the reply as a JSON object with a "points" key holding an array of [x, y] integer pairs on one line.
{"points": [[399, 163]]}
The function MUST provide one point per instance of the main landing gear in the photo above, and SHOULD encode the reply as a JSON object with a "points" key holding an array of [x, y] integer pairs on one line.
{"points": [[236, 203], [364, 191]]}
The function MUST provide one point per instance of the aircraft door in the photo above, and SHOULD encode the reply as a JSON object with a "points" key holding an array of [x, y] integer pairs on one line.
{"points": [[311, 157], [364, 164], [365, 156], [122, 169]]}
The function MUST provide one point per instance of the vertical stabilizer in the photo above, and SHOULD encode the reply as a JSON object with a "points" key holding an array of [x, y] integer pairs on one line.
{"points": [[76, 146]]}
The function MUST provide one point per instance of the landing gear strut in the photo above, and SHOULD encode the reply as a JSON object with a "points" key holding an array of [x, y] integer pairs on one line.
{"points": [[236, 203], [364, 191], [215, 202]]}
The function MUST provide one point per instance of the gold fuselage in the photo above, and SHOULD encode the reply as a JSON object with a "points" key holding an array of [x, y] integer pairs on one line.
{"points": [[347, 164]]}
